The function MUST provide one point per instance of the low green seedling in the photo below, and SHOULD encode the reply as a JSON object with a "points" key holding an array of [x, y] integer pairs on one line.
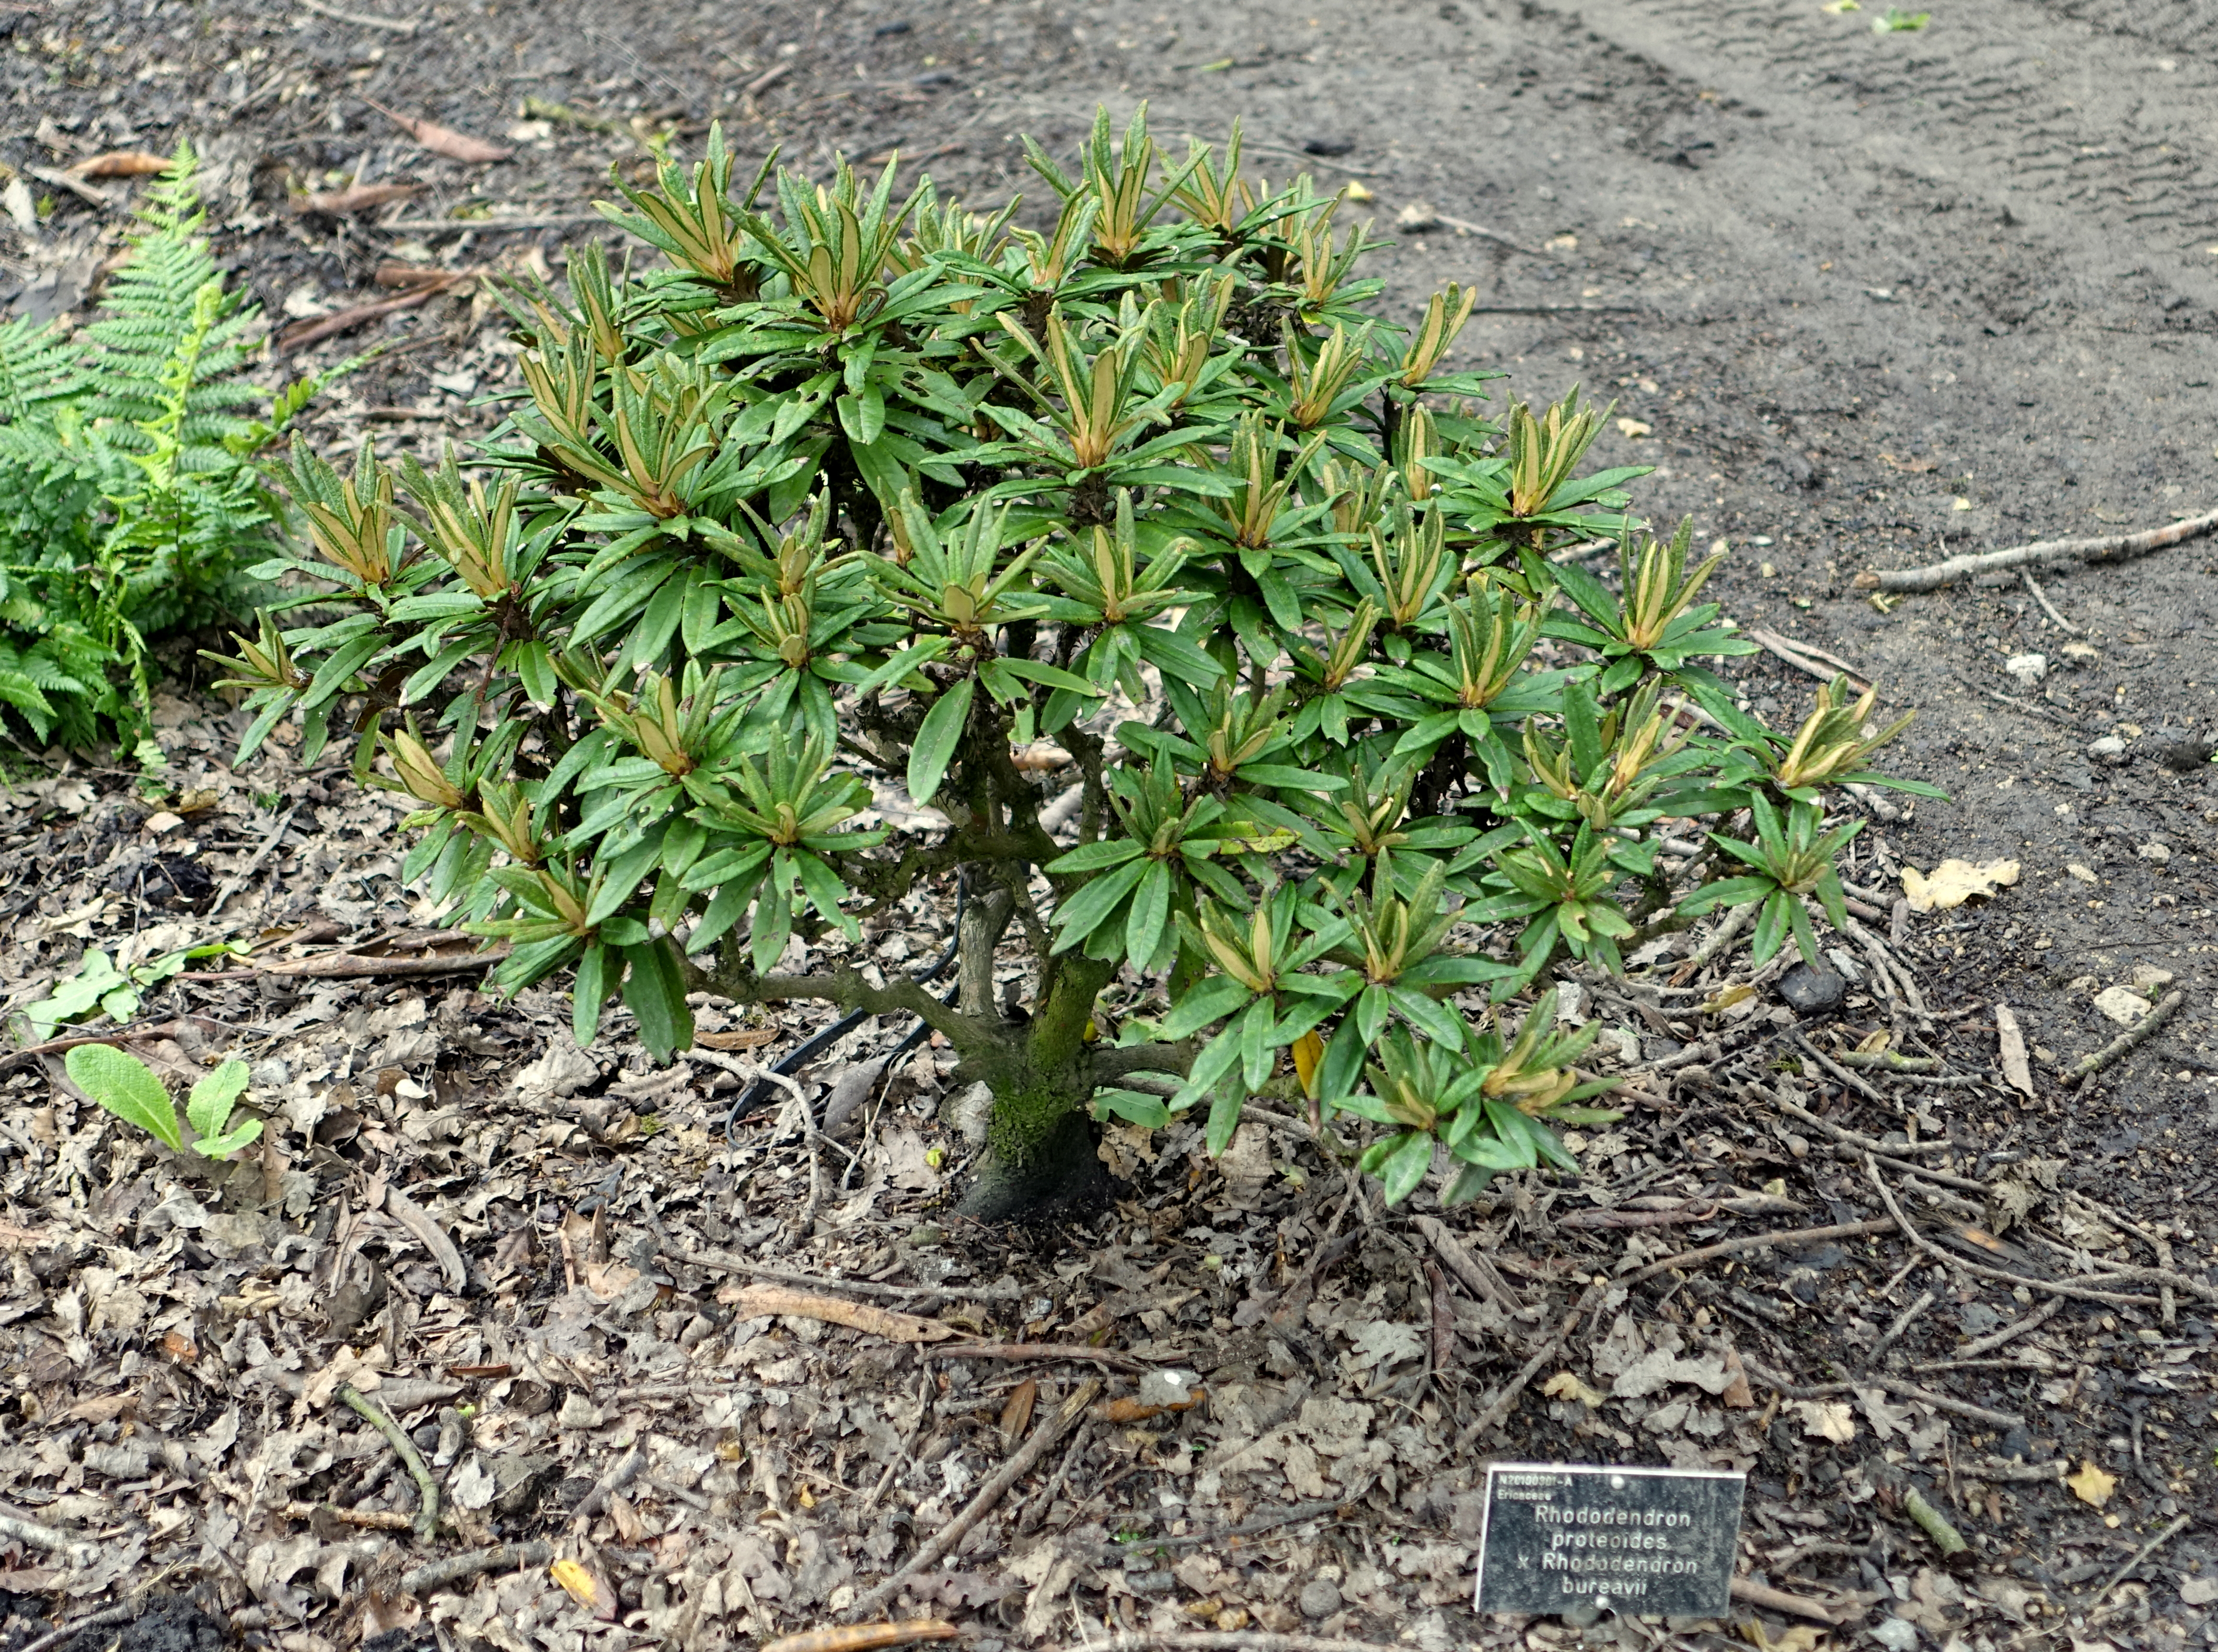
{"points": [[126, 1087], [100, 987]]}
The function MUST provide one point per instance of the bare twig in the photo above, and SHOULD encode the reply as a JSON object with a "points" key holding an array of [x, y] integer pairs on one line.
{"points": [[609, 1484], [50, 1538], [1795, 1605], [375, 1519], [361, 19], [1476, 1274], [2127, 1041], [2047, 607], [1806, 657], [1930, 1521], [2139, 1555], [2110, 548], [502, 1557], [2010, 1333], [1758, 1241], [1108, 1357], [351, 966], [723, 1262], [122, 1614], [427, 1490], [1215, 1640], [1892, 1334], [2055, 1287], [1044, 1434], [1855, 1139]]}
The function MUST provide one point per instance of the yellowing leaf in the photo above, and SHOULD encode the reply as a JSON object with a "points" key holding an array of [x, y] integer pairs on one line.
{"points": [[1955, 881], [576, 1582], [1738, 992], [1357, 193], [1799, 1638], [1565, 1385], [1309, 1055], [1827, 1419], [2091, 1485]]}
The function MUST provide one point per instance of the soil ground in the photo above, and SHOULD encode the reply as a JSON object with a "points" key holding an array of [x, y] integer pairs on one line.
{"points": [[1866, 298]]}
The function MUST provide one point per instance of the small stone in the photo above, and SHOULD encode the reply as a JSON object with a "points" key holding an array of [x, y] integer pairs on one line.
{"points": [[2155, 853], [1328, 146], [1320, 1597], [2121, 1004], [2147, 977], [2029, 669], [970, 1112], [519, 1480], [1812, 991], [1418, 217], [1169, 1387], [1895, 1634], [2110, 749]]}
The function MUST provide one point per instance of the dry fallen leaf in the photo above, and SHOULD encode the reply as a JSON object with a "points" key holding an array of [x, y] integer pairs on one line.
{"points": [[355, 198], [1565, 1385], [1633, 429], [758, 1302], [576, 1582], [2091, 1485], [442, 140], [864, 1638], [119, 164], [2015, 1069], [1829, 1420], [1955, 881]]}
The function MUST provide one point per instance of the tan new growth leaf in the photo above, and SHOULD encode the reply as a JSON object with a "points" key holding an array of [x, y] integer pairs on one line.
{"points": [[2091, 1485], [1955, 881]]}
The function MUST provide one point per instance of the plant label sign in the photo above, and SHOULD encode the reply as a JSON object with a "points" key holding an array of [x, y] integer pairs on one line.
{"points": [[1556, 1538]]}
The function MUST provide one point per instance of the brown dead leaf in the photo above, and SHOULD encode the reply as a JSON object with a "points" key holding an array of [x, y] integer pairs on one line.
{"points": [[1830, 1420], [758, 1302], [354, 198], [744, 1039], [1737, 1396], [105, 1408], [121, 163], [1017, 1415], [442, 140], [2091, 1485], [866, 1637], [1132, 1410]]}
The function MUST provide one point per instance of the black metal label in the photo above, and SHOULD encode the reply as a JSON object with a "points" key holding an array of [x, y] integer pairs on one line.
{"points": [[1559, 1536]]}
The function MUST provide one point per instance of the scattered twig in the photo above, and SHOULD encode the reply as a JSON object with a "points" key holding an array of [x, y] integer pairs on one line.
{"points": [[52, 1539], [501, 1557], [1892, 1334], [375, 1519], [2047, 607], [1108, 1357], [763, 82], [2010, 1333], [76, 185], [1893, 1385], [1930, 1521], [2055, 1287], [1758, 1241], [1044, 1434], [1499, 1407], [1217, 1640], [1996, 1469], [1855, 1139], [519, 221], [361, 19], [610, 1483], [2110, 548], [1477, 1275], [865, 1637], [2132, 1038], [1889, 1061], [1862, 1087], [1464, 226], [763, 1301], [1806, 657], [1795, 1605], [353, 966], [2139, 1555], [355, 315], [122, 1614], [726, 1263], [1246, 1528], [427, 1490], [252, 864]]}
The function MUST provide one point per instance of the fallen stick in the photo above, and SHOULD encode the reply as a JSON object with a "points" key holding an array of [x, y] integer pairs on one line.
{"points": [[353, 966], [1893, 1385], [1806, 657], [1477, 1277], [361, 19], [2010, 1333], [1794, 1605], [376, 1519], [52, 1539], [943, 1542], [122, 1614], [2055, 1287], [1758, 1241], [2142, 1554], [1218, 1639], [608, 1485], [2132, 1038], [866, 1637], [2047, 607], [1036, 1351], [725, 1263], [2109, 547], [427, 1490], [346, 320], [1856, 1138], [1500, 1407], [1934, 1523], [501, 1557]]}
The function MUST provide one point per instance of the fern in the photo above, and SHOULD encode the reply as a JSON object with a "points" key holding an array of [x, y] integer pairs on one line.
{"points": [[130, 503]]}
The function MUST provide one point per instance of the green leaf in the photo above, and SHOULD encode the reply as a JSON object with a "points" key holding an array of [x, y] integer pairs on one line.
{"points": [[209, 1107], [587, 994], [1404, 1170], [1096, 857], [217, 1147], [1223, 1119], [936, 738], [1150, 915], [1205, 1002], [126, 1087], [1081, 915], [654, 992]]}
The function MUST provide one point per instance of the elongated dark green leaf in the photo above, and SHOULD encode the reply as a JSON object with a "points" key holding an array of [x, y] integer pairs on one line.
{"points": [[1081, 915], [1150, 917], [654, 992], [936, 738], [587, 994]]}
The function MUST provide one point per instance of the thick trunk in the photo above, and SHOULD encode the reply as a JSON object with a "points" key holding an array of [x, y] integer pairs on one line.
{"points": [[1039, 1154]]}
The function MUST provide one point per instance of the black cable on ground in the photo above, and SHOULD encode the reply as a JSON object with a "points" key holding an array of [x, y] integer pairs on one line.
{"points": [[755, 1094]]}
